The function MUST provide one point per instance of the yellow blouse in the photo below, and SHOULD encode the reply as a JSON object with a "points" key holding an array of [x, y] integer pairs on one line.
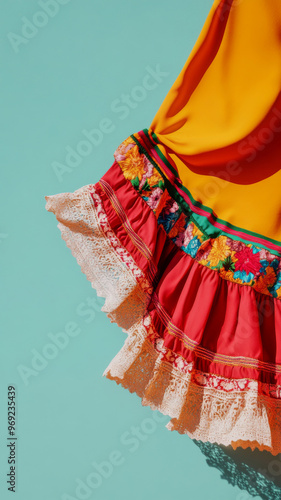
{"points": [[221, 120]]}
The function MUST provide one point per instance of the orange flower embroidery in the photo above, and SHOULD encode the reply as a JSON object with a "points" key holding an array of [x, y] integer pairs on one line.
{"points": [[165, 196], [265, 281], [133, 165], [178, 227]]}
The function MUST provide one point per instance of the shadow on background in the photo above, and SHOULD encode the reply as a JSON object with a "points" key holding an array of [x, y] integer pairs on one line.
{"points": [[257, 472]]}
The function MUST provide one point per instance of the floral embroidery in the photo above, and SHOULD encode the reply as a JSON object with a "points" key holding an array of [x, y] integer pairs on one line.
{"points": [[234, 260], [247, 261], [219, 252], [154, 198]]}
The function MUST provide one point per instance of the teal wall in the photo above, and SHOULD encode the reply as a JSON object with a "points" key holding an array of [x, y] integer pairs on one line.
{"points": [[57, 81]]}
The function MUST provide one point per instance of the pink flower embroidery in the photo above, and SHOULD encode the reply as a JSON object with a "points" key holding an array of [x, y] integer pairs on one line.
{"points": [[171, 207], [154, 199], [185, 237], [266, 255], [235, 245], [148, 167], [247, 261], [142, 182], [120, 153], [119, 157]]}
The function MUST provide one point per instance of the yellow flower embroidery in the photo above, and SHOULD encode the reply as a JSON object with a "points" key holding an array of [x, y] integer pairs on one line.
{"points": [[133, 165], [235, 280], [228, 275], [197, 232], [220, 251], [203, 262], [155, 178]]}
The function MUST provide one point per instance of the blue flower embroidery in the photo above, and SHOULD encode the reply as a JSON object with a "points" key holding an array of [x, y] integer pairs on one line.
{"points": [[192, 247], [243, 276], [168, 220]]}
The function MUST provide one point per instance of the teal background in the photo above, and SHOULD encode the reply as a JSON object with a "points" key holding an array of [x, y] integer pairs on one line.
{"points": [[63, 80]]}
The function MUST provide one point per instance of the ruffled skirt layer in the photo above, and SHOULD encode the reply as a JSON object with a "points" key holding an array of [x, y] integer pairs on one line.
{"points": [[203, 342]]}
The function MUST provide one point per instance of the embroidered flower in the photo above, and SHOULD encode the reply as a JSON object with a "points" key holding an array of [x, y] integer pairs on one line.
{"points": [[234, 260], [168, 220], [266, 281], [193, 246], [275, 289], [162, 203], [153, 200], [170, 207], [133, 165], [123, 148], [266, 255], [235, 245], [141, 185], [220, 250], [247, 261], [169, 214], [148, 167], [178, 227], [197, 232], [243, 276], [204, 251], [185, 237], [151, 173], [228, 275]]}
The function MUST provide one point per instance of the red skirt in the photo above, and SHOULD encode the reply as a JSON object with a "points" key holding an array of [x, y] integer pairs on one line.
{"points": [[199, 302]]}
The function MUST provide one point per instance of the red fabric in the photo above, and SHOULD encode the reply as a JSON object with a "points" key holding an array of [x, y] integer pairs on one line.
{"points": [[219, 315]]}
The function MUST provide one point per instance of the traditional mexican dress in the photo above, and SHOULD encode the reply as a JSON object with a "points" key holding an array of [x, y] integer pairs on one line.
{"points": [[182, 236]]}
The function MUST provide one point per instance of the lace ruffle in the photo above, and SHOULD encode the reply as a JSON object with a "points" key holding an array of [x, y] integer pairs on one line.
{"points": [[204, 406], [238, 418]]}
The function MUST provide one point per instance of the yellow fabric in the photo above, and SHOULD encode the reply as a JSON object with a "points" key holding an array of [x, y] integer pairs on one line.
{"points": [[221, 120]]}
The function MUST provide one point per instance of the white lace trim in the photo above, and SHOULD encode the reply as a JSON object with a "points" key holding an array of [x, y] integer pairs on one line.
{"points": [[238, 418], [106, 263]]}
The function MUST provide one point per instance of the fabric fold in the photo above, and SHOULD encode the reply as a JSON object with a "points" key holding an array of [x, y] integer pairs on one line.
{"points": [[182, 237], [201, 348]]}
